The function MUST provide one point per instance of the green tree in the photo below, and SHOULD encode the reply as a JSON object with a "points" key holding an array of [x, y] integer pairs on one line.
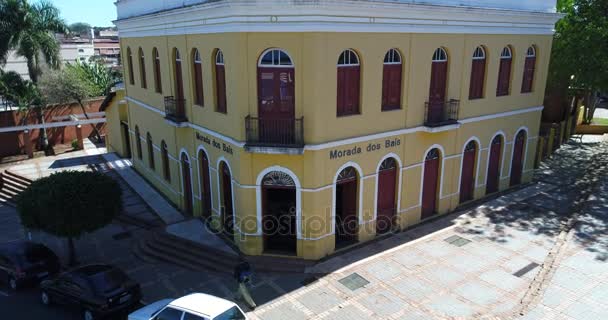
{"points": [[66, 86], [80, 28], [69, 204], [30, 29], [578, 59], [99, 77], [21, 93]]}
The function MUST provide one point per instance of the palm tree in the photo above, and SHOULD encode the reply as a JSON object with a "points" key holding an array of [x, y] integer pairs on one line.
{"points": [[30, 29]]}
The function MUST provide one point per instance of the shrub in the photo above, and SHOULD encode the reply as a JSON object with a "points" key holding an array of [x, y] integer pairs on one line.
{"points": [[69, 204]]}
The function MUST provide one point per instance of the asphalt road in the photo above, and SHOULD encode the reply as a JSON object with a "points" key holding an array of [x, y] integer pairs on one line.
{"points": [[25, 304]]}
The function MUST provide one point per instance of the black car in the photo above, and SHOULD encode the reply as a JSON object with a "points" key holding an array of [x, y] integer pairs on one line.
{"points": [[99, 291], [24, 262]]}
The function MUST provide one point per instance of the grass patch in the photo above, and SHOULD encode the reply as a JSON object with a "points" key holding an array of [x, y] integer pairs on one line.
{"points": [[600, 121]]}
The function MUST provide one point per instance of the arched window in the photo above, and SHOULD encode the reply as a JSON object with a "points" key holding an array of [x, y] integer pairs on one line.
{"points": [[529, 67], [130, 66], [138, 143], [220, 82], [198, 77], [165, 160], [467, 175], [142, 69], [504, 72], [150, 151], [349, 83], [478, 74], [431, 182], [275, 58], [157, 78], [391, 81]]}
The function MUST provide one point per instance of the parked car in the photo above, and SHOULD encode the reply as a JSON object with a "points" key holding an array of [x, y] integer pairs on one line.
{"points": [[25, 262], [99, 291], [196, 306]]}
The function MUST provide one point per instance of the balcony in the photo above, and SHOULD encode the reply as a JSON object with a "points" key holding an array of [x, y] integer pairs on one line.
{"points": [[441, 113], [175, 110], [272, 135]]}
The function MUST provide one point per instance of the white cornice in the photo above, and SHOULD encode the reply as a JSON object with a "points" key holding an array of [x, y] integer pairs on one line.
{"points": [[332, 16]]}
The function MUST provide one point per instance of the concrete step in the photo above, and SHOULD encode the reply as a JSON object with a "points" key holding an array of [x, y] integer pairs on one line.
{"points": [[279, 264], [15, 177], [7, 200], [185, 255], [15, 184]]}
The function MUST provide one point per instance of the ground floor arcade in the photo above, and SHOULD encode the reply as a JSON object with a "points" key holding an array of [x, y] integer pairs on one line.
{"points": [[335, 194]]}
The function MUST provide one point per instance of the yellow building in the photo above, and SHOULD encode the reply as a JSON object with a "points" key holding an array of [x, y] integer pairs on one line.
{"points": [[303, 127]]}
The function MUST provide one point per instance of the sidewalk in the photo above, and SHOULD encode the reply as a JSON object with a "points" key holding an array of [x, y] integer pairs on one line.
{"points": [[476, 265]]}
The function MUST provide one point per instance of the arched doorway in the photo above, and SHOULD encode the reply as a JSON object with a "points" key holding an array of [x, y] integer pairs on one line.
{"points": [[346, 222], [187, 184], [493, 179], [517, 164], [386, 202], [226, 210], [467, 176], [279, 213], [276, 97], [203, 169], [439, 76], [430, 183]]}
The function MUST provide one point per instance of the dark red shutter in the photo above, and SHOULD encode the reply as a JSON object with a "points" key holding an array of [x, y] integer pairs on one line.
{"points": [[429, 189], [348, 90], [130, 66], [142, 66], [206, 187], [517, 164], [493, 179], [157, 81], [387, 183], [349, 209], [391, 87], [220, 79], [478, 70], [467, 179], [187, 185], [526, 85], [198, 81], [504, 77]]}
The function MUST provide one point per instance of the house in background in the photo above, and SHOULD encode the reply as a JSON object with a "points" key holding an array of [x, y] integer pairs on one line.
{"points": [[305, 127]]}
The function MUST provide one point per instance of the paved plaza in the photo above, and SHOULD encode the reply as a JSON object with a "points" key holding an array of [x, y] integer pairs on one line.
{"points": [[491, 261]]}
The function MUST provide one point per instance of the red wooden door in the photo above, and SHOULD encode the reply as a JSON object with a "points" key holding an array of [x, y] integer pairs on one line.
{"points": [[504, 77], [205, 184], [187, 180], [430, 182], [528, 80], [467, 178], [276, 104], [387, 185], [349, 210], [227, 213], [391, 87], [348, 90], [179, 88], [439, 72], [517, 164], [478, 71], [493, 179], [220, 87]]}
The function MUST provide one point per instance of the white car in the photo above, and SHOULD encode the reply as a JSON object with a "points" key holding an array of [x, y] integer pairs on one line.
{"points": [[196, 306]]}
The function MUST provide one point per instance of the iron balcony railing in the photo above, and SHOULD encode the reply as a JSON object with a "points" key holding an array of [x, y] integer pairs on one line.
{"points": [[175, 109], [275, 132], [441, 113]]}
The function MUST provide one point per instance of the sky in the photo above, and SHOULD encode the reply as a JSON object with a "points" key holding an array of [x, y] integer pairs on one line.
{"points": [[97, 13]]}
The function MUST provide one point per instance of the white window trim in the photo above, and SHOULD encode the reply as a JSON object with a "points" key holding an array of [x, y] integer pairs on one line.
{"points": [[502, 54], [395, 53], [533, 55], [219, 58], [483, 52], [440, 59]]}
